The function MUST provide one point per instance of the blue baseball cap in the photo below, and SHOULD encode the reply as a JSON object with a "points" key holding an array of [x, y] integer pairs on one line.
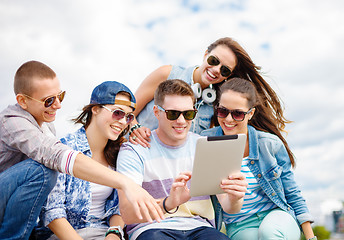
{"points": [[105, 93]]}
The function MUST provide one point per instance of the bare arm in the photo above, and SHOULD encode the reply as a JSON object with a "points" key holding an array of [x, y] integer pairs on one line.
{"points": [[307, 230], [144, 94], [142, 204], [235, 187], [63, 230]]}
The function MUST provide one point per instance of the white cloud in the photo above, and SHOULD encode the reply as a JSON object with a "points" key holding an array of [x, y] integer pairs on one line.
{"points": [[298, 44]]}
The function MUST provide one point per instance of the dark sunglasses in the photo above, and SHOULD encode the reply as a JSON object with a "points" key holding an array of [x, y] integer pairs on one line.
{"points": [[118, 114], [214, 61], [49, 100], [174, 114], [237, 115]]}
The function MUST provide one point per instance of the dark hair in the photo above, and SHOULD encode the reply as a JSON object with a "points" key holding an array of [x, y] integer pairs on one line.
{"points": [[172, 87], [29, 71], [246, 69], [112, 147], [261, 120]]}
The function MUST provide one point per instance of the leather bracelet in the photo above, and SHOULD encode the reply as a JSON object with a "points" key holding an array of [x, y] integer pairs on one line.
{"points": [[136, 126], [164, 206]]}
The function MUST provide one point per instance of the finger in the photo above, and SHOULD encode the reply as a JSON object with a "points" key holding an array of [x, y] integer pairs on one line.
{"points": [[132, 139], [137, 211], [237, 175], [145, 212]]}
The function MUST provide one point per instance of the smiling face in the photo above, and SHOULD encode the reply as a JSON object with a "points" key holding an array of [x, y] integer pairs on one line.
{"points": [[234, 101], [173, 132], [104, 125], [42, 88], [212, 74]]}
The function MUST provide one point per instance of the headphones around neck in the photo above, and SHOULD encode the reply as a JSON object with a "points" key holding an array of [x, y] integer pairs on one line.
{"points": [[208, 94]]}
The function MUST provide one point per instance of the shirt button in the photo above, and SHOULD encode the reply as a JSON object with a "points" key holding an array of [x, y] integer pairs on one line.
{"points": [[252, 162], [273, 194], [275, 174], [288, 208], [259, 175]]}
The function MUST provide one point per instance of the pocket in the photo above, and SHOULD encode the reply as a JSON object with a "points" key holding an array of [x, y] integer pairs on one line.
{"points": [[274, 173]]}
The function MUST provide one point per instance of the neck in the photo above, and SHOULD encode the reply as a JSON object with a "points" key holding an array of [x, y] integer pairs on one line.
{"points": [[97, 143], [197, 77]]}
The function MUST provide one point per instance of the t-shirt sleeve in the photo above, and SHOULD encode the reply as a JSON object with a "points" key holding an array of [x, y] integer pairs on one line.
{"points": [[130, 163]]}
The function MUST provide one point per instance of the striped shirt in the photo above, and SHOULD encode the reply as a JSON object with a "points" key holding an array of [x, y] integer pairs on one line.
{"points": [[255, 199], [154, 169]]}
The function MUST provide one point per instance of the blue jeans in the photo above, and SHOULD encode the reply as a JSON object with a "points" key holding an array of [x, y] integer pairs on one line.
{"points": [[271, 224], [24, 188], [201, 233]]}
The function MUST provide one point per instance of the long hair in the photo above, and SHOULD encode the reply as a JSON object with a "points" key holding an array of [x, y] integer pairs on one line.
{"points": [[112, 147], [246, 69], [261, 120]]}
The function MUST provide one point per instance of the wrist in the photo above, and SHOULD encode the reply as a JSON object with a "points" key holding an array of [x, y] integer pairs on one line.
{"points": [[164, 203], [313, 238], [135, 126], [116, 230]]}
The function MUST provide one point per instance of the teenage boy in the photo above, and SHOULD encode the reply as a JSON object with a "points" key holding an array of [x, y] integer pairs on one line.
{"points": [[164, 170], [29, 150]]}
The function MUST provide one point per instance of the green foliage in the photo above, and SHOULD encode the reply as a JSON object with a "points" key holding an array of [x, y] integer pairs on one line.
{"points": [[321, 232]]}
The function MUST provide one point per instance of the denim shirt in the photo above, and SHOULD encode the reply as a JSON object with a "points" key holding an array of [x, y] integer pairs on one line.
{"points": [[205, 111], [71, 197], [271, 166]]}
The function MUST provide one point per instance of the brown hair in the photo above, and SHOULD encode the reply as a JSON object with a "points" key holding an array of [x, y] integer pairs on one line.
{"points": [[246, 69], [112, 147], [172, 87], [29, 71], [261, 120]]}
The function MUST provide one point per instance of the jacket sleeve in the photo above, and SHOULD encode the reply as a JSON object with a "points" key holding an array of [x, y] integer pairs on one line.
{"points": [[55, 204]]}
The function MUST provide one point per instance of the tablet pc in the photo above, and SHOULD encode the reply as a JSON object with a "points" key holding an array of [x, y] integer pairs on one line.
{"points": [[215, 159]]}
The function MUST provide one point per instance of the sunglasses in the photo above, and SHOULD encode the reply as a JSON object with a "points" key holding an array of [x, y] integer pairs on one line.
{"points": [[237, 115], [174, 114], [48, 101], [118, 114], [214, 61]]}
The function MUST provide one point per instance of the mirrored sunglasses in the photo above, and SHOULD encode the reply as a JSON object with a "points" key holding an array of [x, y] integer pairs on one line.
{"points": [[237, 115], [118, 114], [214, 61], [49, 100], [174, 114]]}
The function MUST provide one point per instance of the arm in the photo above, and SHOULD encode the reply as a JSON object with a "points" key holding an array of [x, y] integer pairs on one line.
{"points": [[115, 220], [142, 204], [235, 187], [307, 230], [144, 94], [63, 230]]}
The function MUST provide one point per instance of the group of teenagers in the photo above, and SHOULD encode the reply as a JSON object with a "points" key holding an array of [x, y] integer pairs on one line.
{"points": [[125, 173]]}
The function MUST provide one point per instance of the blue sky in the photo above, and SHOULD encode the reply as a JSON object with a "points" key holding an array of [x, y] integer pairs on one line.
{"points": [[298, 44]]}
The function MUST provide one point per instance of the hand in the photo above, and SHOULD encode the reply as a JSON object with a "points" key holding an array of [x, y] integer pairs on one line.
{"points": [[140, 136], [179, 192], [144, 205], [235, 186]]}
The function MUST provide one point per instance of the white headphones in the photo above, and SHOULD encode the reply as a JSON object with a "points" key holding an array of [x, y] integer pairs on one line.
{"points": [[208, 94]]}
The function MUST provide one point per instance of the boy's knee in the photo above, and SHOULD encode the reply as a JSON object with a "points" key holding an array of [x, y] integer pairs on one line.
{"points": [[38, 172]]}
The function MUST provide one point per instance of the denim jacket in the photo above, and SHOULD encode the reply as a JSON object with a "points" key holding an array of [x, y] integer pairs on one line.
{"points": [[271, 166], [71, 197], [205, 112]]}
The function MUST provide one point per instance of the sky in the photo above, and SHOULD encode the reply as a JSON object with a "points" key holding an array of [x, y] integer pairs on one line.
{"points": [[298, 44]]}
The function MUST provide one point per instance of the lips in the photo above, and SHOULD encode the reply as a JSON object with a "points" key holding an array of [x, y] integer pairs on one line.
{"points": [[179, 129], [210, 74], [117, 129]]}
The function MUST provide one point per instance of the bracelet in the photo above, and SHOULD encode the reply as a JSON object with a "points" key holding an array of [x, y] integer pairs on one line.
{"points": [[136, 126], [164, 206], [313, 238], [117, 230]]}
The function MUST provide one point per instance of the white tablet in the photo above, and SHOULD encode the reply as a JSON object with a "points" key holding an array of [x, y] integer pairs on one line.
{"points": [[215, 159]]}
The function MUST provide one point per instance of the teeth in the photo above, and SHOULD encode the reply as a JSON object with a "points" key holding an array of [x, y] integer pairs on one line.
{"points": [[229, 125], [116, 128], [210, 74], [179, 128]]}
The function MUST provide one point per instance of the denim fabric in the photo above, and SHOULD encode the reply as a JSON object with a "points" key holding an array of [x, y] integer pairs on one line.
{"points": [[271, 167], [24, 188], [71, 197], [201, 233], [205, 111], [271, 224]]}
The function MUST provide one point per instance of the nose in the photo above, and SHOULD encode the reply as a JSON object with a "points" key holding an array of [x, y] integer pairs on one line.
{"points": [[181, 119], [123, 120], [57, 103], [229, 117]]}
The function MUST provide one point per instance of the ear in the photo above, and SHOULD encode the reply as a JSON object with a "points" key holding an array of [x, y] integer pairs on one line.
{"points": [[21, 100], [156, 111], [205, 54], [250, 115], [95, 110]]}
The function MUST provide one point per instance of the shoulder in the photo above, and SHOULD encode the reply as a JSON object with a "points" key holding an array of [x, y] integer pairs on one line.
{"points": [[266, 139], [77, 140], [216, 131]]}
